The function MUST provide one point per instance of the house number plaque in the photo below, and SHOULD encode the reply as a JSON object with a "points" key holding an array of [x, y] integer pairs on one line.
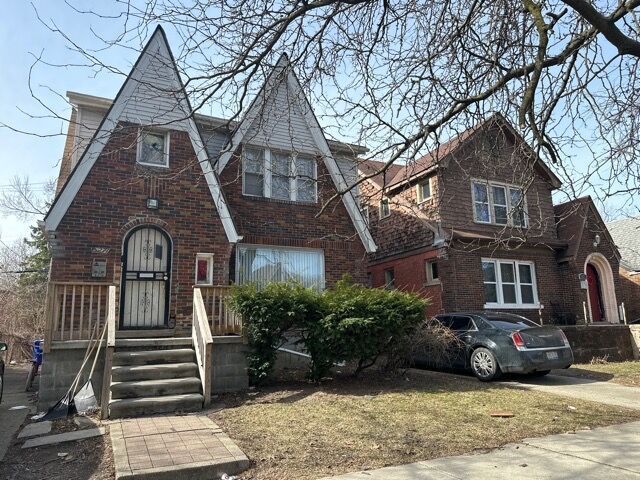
{"points": [[98, 268]]}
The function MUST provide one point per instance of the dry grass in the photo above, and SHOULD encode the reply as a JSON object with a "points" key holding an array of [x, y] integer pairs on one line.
{"points": [[301, 431], [624, 373]]}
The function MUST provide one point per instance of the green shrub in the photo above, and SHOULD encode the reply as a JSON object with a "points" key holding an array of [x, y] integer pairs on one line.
{"points": [[366, 323], [268, 313], [349, 323]]}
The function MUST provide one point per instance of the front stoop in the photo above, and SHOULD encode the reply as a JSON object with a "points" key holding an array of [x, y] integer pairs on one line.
{"points": [[171, 447]]}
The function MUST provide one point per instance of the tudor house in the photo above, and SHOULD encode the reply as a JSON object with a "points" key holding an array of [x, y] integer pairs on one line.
{"points": [[158, 211], [472, 226]]}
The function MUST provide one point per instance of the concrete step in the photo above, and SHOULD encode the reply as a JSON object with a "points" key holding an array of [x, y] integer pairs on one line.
{"points": [[121, 373], [155, 388], [154, 357], [151, 343], [131, 407]]}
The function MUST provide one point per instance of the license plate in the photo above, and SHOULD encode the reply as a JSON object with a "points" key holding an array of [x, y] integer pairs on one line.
{"points": [[552, 355]]}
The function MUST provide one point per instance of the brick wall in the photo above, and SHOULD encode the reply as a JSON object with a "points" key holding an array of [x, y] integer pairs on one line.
{"points": [[112, 200], [630, 293], [410, 275], [462, 280], [495, 158], [294, 224]]}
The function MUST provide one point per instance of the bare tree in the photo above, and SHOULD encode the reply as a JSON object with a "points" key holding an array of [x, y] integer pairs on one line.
{"points": [[400, 76]]}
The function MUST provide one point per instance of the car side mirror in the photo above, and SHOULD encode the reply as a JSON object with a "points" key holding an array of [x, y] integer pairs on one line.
{"points": [[3, 347]]}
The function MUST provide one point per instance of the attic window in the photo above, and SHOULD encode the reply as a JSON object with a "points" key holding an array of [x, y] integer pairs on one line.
{"points": [[423, 190], [385, 208], [153, 148]]}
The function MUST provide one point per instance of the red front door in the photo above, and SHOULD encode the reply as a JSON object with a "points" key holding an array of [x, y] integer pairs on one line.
{"points": [[595, 299]]}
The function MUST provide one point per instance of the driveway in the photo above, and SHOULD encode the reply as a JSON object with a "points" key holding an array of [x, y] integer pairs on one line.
{"points": [[600, 453], [14, 395], [582, 388]]}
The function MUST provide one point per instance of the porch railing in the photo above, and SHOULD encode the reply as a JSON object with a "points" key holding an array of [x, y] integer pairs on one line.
{"points": [[73, 309], [222, 320], [203, 343]]}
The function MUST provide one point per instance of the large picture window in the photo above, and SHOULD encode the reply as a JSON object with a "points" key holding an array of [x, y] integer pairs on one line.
{"points": [[509, 284], [499, 204], [279, 175], [262, 265]]}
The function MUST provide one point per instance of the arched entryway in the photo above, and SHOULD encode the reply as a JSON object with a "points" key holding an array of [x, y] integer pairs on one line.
{"points": [[146, 275], [601, 292]]}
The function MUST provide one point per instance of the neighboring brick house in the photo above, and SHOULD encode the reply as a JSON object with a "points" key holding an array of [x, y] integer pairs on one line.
{"points": [[626, 234], [472, 226], [155, 201]]}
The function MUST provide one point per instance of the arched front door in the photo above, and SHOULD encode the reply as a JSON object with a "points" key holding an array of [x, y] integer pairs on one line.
{"points": [[595, 294], [146, 265]]}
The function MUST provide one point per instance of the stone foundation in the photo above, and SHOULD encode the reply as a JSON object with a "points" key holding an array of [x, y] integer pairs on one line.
{"points": [[612, 342]]}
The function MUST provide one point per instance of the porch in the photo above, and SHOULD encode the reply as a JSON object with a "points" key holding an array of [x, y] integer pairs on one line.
{"points": [[146, 370]]}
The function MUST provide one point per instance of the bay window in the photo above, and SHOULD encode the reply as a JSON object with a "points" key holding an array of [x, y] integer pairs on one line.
{"points": [[499, 204], [262, 265], [509, 283], [278, 175]]}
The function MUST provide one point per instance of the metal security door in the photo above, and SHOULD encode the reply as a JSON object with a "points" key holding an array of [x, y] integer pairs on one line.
{"points": [[146, 263]]}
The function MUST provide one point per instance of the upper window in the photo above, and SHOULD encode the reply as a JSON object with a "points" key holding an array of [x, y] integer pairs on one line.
{"points": [[204, 269], [509, 283], [424, 190], [433, 276], [385, 208], [499, 204], [153, 148], [262, 265], [279, 175]]}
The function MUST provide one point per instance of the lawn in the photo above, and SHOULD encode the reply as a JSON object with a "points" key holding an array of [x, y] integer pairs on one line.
{"points": [[624, 373], [302, 431]]}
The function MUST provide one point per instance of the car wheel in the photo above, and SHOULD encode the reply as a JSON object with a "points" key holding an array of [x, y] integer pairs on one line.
{"points": [[484, 365], [539, 373]]}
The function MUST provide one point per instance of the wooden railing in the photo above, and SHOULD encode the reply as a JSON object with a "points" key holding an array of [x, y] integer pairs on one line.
{"points": [[73, 308], [222, 320], [203, 343], [110, 348]]}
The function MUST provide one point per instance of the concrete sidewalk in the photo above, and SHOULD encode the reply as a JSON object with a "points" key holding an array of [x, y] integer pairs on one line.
{"points": [[14, 395], [608, 452], [583, 389]]}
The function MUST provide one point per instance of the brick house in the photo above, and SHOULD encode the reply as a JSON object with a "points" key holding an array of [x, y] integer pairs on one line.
{"points": [[155, 201], [472, 226], [626, 234]]}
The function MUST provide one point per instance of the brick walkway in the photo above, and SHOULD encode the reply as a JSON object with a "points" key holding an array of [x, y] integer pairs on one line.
{"points": [[171, 446]]}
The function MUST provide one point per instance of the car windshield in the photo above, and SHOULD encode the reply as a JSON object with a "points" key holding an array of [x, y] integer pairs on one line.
{"points": [[511, 323]]}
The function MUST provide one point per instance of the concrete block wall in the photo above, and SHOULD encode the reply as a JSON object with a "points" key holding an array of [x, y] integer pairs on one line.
{"points": [[591, 341], [635, 340], [229, 365], [60, 367]]}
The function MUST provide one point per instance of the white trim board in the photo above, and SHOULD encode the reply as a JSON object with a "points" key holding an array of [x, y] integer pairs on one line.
{"points": [[157, 43], [350, 203]]}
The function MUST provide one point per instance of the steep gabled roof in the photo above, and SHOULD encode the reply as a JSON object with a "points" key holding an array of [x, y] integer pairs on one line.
{"points": [[626, 234], [426, 164], [283, 74], [153, 77], [571, 220]]}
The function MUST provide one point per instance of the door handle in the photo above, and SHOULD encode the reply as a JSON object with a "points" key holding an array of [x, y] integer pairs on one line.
{"points": [[165, 278]]}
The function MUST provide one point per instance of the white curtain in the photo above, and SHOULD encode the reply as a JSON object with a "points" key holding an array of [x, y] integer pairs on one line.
{"points": [[263, 264]]}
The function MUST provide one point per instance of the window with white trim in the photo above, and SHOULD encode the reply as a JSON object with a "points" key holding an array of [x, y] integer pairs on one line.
{"points": [[264, 264], [204, 269], [509, 283], [279, 175], [498, 203], [365, 213], [423, 190], [385, 208], [153, 148], [433, 276]]}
